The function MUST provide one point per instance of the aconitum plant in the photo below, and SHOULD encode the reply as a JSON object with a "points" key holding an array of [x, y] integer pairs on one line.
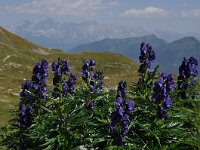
{"points": [[187, 72], [61, 85], [31, 92], [146, 73], [161, 96], [87, 73], [120, 117], [37, 87], [25, 94], [147, 55], [93, 81], [40, 73]]}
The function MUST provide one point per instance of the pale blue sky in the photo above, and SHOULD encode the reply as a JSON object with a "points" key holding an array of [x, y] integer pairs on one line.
{"points": [[173, 15]]}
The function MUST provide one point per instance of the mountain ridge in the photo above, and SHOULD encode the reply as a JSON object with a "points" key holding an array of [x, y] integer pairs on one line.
{"points": [[174, 51], [66, 35]]}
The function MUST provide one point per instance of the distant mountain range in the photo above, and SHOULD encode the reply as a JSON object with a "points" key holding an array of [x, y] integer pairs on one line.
{"points": [[52, 34], [168, 55], [92, 36]]}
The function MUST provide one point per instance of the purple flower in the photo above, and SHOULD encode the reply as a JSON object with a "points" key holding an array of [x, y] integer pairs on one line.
{"points": [[167, 103], [125, 125], [114, 121], [65, 67], [188, 69], [118, 102], [71, 83], [130, 106], [94, 81], [121, 90], [86, 69], [25, 116], [26, 87], [40, 73], [55, 66], [169, 83], [91, 105], [147, 55], [121, 114], [61, 68], [92, 88], [65, 86], [121, 111], [162, 89], [56, 92]]}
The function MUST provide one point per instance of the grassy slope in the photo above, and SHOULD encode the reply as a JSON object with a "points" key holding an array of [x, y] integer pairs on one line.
{"points": [[18, 56]]}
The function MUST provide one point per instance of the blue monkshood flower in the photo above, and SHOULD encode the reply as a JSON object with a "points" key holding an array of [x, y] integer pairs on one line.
{"points": [[162, 89], [125, 124], [188, 69], [115, 118], [121, 90], [91, 88], [98, 75], [121, 114], [93, 81], [25, 116], [130, 106], [26, 87], [121, 111], [60, 68], [119, 102], [98, 79], [56, 80], [86, 70], [170, 83], [71, 83], [159, 91], [40, 73], [193, 60], [167, 103], [65, 67], [65, 86], [56, 92], [55, 66], [147, 55], [91, 105]]}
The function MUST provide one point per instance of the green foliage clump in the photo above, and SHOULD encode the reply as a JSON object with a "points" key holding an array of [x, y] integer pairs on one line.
{"points": [[91, 116]]}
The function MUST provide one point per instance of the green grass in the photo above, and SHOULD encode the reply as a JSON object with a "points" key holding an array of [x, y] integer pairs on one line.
{"points": [[18, 57]]}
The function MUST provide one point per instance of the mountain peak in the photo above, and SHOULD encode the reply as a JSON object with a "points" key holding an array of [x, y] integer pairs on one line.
{"points": [[186, 42], [189, 38]]}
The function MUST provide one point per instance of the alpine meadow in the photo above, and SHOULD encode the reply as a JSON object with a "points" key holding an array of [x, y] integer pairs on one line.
{"points": [[95, 100]]}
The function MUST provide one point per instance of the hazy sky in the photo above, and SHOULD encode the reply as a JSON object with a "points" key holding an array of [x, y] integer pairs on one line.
{"points": [[173, 15]]}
